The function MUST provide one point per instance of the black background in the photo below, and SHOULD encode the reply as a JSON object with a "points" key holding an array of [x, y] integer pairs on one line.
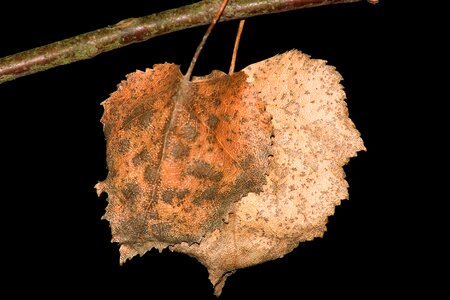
{"points": [[53, 151]]}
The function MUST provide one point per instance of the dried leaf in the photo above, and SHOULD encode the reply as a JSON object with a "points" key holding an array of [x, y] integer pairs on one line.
{"points": [[189, 164], [179, 155], [313, 139]]}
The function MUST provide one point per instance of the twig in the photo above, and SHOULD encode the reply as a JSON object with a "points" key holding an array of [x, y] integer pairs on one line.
{"points": [[135, 30]]}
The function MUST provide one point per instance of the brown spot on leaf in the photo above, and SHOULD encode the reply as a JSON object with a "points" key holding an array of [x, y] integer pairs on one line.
{"points": [[140, 158], [203, 170], [123, 146], [182, 193], [213, 121], [168, 195], [131, 191], [189, 132], [151, 174], [209, 194], [180, 151]]}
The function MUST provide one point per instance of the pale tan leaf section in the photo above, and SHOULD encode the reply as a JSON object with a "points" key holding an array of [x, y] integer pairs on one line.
{"points": [[313, 139]]}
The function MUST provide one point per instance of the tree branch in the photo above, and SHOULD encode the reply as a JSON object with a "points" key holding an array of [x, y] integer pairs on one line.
{"points": [[135, 30]]}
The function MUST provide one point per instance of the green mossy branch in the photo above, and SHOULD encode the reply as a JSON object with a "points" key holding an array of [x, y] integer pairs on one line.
{"points": [[136, 30]]}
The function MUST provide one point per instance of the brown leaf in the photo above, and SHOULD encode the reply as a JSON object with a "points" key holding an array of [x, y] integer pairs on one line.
{"points": [[313, 139], [179, 155], [185, 156]]}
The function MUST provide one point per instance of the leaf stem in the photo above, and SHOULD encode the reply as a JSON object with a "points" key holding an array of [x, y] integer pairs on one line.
{"points": [[205, 37], [236, 46]]}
